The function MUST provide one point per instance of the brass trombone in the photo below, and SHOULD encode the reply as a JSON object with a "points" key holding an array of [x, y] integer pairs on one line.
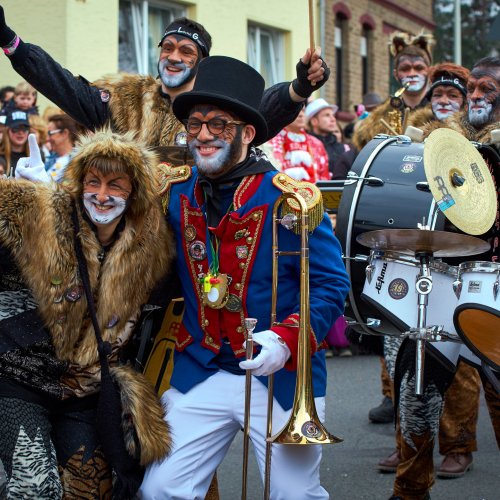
{"points": [[303, 426]]}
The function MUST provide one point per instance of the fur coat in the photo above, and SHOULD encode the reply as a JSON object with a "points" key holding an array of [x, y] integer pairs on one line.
{"points": [[371, 126], [460, 123], [137, 104], [36, 225]]}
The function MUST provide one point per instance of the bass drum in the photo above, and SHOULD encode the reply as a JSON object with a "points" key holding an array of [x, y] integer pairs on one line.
{"points": [[387, 195]]}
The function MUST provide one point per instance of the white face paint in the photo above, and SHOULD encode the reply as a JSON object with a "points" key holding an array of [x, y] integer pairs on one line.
{"points": [[417, 82], [176, 80], [104, 213], [479, 111], [216, 162], [443, 111]]}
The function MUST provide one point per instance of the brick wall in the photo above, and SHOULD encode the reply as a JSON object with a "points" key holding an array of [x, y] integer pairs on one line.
{"points": [[384, 16]]}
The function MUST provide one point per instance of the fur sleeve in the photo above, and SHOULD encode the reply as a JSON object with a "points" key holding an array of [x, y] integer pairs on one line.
{"points": [[371, 126], [18, 204]]}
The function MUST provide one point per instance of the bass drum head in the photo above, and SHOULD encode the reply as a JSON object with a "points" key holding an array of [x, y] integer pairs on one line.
{"points": [[394, 199]]}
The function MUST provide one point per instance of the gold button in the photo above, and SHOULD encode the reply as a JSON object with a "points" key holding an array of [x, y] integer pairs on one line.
{"points": [[242, 265], [256, 216], [206, 322], [210, 340], [249, 240], [239, 329], [238, 286], [281, 178]]}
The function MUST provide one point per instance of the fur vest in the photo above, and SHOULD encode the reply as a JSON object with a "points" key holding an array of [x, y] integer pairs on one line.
{"points": [[421, 117], [460, 123], [137, 105], [371, 126]]}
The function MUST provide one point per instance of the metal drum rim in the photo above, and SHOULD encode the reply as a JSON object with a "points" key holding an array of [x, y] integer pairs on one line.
{"points": [[392, 256], [480, 266]]}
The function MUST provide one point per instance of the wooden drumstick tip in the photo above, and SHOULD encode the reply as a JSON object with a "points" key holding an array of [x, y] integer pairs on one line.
{"points": [[495, 136], [414, 133]]}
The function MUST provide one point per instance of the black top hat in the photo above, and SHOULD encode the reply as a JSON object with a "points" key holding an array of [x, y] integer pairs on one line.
{"points": [[231, 85]]}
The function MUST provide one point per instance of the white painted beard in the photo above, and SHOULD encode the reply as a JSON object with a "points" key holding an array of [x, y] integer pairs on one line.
{"points": [[117, 204], [482, 115], [417, 82], [174, 81], [214, 164], [443, 111]]}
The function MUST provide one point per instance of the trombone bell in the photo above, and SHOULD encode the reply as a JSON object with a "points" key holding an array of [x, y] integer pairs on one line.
{"points": [[304, 428]]}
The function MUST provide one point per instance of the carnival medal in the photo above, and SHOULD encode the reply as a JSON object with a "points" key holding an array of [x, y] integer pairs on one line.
{"points": [[215, 291]]}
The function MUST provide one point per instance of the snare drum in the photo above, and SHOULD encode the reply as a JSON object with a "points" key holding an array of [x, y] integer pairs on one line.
{"points": [[390, 287], [477, 315]]}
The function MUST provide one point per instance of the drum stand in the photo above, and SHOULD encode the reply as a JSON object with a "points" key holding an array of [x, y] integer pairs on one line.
{"points": [[422, 332]]}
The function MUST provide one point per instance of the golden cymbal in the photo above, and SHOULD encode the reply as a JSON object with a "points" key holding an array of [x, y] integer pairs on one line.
{"points": [[412, 241], [460, 181]]}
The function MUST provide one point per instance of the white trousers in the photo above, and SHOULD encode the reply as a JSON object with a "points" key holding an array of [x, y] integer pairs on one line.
{"points": [[205, 421]]}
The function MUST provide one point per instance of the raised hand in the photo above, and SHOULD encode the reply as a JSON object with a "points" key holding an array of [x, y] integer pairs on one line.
{"points": [[32, 168], [6, 34], [312, 73]]}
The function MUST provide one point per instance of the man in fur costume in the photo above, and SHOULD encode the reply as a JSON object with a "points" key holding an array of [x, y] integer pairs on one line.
{"points": [[419, 416], [457, 426], [49, 363], [221, 212], [143, 104], [412, 59]]}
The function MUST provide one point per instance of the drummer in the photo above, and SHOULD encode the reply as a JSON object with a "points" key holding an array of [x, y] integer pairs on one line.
{"points": [[457, 428], [414, 476]]}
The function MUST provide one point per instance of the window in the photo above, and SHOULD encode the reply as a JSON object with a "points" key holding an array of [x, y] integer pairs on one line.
{"points": [[363, 50], [266, 53], [141, 26], [339, 59]]}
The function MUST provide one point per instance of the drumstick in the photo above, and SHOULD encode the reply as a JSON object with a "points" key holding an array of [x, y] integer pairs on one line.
{"points": [[311, 32], [311, 26], [388, 126], [406, 114]]}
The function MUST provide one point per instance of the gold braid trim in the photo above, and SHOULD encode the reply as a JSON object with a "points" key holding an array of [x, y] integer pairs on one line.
{"points": [[170, 174], [312, 197]]}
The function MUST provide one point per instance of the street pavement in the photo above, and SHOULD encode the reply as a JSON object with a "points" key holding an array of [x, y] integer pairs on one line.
{"points": [[348, 469]]}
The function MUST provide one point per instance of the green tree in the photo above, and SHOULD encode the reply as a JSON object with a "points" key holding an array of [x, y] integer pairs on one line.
{"points": [[477, 17]]}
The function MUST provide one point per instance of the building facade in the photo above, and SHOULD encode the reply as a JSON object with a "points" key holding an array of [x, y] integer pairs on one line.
{"points": [[356, 38]]}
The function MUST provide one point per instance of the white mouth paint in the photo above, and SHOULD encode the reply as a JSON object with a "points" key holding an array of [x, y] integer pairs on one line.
{"points": [[104, 213]]}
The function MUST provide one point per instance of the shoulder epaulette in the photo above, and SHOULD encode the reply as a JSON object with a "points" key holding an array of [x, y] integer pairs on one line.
{"points": [[309, 192], [170, 174]]}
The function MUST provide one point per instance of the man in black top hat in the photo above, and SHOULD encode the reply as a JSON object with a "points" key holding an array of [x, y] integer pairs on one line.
{"points": [[143, 104], [222, 213]]}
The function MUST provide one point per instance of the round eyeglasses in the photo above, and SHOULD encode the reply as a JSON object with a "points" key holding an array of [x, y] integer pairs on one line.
{"points": [[216, 126]]}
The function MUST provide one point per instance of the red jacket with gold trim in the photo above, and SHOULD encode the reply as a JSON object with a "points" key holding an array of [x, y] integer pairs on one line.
{"points": [[245, 255]]}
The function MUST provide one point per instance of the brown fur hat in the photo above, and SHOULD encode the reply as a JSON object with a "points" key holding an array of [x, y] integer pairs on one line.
{"points": [[134, 159], [448, 74], [402, 44]]}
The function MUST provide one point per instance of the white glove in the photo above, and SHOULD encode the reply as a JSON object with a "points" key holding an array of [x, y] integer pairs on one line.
{"points": [[272, 357], [32, 168], [298, 173]]}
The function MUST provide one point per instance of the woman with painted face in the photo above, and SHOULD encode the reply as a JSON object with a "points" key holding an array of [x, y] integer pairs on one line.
{"points": [[446, 95], [101, 234]]}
